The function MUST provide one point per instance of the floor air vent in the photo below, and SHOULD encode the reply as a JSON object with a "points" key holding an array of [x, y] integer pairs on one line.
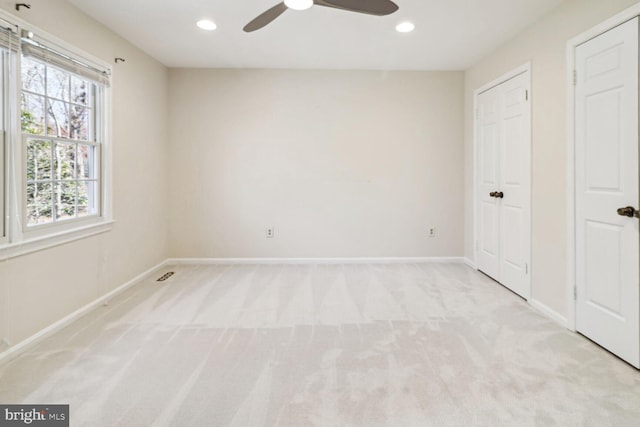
{"points": [[165, 276]]}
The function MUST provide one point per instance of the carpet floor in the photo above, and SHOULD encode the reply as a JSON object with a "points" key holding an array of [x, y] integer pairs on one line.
{"points": [[323, 345]]}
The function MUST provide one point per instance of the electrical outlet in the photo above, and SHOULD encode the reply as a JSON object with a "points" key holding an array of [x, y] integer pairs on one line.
{"points": [[432, 232], [269, 232]]}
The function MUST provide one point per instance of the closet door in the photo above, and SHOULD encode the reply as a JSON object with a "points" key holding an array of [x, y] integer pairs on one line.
{"points": [[503, 194], [607, 193], [488, 175]]}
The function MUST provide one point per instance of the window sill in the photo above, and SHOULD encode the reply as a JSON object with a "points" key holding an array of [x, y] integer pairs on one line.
{"points": [[27, 246]]}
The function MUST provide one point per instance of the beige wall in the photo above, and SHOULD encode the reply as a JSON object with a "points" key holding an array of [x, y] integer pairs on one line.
{"points": [[41, 288], [340, 163], [544, 44]]}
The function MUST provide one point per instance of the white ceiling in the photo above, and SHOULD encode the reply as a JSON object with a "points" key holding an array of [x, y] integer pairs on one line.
{"points": [[449, 35]]}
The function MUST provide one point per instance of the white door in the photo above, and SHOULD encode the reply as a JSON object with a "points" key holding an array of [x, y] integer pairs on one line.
{"points": [[503, 193], [488, 152], [607, 244]]}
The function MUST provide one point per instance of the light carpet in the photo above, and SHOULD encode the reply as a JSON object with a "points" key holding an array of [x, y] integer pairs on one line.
{"points": [[324, 345]]}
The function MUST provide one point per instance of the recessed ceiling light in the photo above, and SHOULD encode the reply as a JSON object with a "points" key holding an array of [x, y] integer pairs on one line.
{"points": [[405, 27], [298, 4], [206, 24]]}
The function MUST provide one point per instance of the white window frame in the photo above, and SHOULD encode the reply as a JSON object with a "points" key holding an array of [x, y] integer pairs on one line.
{"points": [[6, 56], [95, 141], [20, 239], [4, 223]]}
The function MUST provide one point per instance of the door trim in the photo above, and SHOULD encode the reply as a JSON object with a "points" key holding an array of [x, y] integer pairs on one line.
{"points": [[524, 68], [572, 44]]}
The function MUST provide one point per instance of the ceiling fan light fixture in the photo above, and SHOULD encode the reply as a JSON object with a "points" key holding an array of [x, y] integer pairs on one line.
{"points": [[405, 27], [298, 4], [206, 24]]}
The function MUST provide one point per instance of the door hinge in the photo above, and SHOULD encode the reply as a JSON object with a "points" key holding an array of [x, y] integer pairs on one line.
{"points": [[575, 77], [526, 269], [526, 95], [575, 293], [478, 113]]}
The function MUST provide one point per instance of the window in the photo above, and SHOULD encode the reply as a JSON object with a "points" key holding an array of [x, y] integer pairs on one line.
{"points": [[58, 120], [61, 118], [9, 43], [53, 122], [3, 152]]}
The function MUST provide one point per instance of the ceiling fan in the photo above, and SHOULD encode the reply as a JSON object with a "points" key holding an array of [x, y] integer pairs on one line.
{"points": [[370, 7]]}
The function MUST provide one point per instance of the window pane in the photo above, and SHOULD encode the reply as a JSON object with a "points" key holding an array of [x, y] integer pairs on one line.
{"points": [[79, 116], [32, 75], [86, 198], [64, 163], [57, 84], [39, 203], [57, 119], [32, 114], [80, 91], [65, 200], [38, 160], [85, 162]]}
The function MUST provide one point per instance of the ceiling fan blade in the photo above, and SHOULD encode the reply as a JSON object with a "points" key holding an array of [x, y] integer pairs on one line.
{"points": [[265, 18], [371, 7]]}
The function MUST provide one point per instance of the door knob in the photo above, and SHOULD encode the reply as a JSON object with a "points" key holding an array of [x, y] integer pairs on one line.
{"points": [[499, 195], [492, 194], [629, 211]]}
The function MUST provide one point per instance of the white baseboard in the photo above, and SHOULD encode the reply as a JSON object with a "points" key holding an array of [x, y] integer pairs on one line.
{"points": [[549, 312], [20, 347], [410, 260]]}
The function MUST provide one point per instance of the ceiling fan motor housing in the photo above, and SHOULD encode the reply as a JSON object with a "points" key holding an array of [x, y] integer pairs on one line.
{"points": [[298, 4]]}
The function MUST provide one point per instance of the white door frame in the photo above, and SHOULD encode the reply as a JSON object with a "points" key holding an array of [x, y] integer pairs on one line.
{"points": [[572, 44], [503, 78]]}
